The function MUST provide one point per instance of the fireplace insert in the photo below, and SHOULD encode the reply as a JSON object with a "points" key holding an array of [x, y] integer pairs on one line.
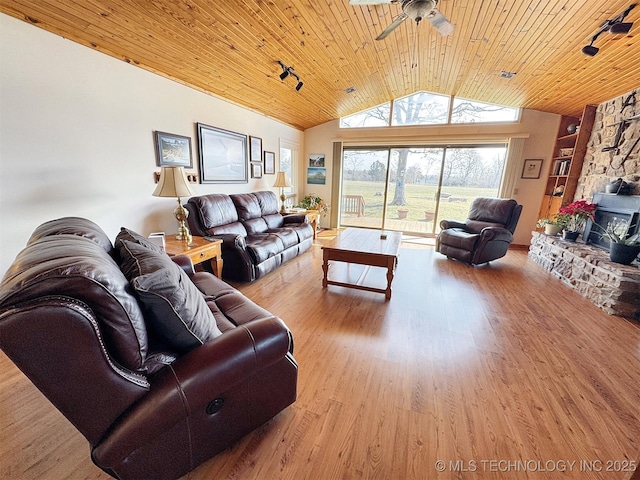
{"points": [[612, 207]]}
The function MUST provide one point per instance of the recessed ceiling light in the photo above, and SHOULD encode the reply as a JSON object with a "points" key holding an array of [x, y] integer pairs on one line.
{"points": [[508, 75]]}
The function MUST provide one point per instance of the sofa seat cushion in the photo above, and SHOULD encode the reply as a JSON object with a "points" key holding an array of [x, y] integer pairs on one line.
{"points": [[263, 246], [304, 231], [175, 309], [458, 238], [287, 236]]}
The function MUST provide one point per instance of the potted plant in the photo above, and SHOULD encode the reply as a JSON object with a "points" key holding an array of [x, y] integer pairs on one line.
{"points": [[314, 202], [551, 227], [622, 248], [573, 217]]}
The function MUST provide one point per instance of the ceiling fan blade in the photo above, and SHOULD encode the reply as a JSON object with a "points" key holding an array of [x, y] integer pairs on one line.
{"points": [[441, 23], [395, 24], [371, 2]]}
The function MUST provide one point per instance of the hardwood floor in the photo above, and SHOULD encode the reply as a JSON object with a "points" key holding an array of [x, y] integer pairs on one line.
{"points": [[480, 368]]}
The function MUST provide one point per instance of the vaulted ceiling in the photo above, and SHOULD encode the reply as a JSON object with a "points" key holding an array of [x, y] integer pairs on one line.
{"points": [[231, 49]]}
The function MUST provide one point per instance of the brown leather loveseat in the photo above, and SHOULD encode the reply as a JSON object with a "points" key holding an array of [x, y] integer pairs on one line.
{"points": [[256, 239], [159, 367]]}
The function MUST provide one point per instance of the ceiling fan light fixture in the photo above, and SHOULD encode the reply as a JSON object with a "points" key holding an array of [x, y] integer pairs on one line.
{"points": [[299, 86], [590, 50], [284, 74]]}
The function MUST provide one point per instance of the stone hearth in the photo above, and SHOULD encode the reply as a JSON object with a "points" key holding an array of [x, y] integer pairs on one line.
{"points": [[613, 287]]}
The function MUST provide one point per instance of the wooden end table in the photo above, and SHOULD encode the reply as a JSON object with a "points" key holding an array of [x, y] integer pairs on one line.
{"points": [[364, 247], [199, 250]]}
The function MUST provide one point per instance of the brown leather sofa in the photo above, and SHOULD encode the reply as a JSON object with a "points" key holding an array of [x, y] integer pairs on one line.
{"points": [[159, 367], [256, 238], [484, 236]]}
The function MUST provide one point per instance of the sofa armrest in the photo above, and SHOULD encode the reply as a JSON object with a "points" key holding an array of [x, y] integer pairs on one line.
{"points": [[192, 382], [496, 234], [184, 263], [444, 224], [295, 218]]}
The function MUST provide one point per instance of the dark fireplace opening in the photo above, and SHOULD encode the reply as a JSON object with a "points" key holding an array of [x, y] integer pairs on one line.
{"points": [[612, 208]]}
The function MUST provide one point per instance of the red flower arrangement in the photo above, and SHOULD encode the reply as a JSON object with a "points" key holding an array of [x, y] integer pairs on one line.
{"points": [[574, 216]]}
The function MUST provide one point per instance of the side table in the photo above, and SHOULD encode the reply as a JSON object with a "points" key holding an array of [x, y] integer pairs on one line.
{"points": [[199, 250], [312, 215]]}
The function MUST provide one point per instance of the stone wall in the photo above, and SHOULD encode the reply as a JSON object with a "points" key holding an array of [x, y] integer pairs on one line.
{"points": [[613, 287], [600, 168]]}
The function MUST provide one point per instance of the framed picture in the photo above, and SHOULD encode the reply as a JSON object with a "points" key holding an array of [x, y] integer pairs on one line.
{"points": [[316, 176], [316, 160], [269, 163], [223, 155], [173, 150], [531, 168], [256, 170], [256, 149]]}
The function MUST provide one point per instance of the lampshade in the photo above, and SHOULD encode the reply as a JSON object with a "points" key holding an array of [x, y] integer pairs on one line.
{"points": [[282, 180], [173, 183]]}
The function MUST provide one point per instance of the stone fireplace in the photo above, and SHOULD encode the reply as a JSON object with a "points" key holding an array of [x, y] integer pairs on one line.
{"points": [[587, 269]]}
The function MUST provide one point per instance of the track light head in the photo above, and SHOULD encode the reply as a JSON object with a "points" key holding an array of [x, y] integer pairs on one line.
{"points": [[284, 74], [299, 86], [620, 28], [590, 50]]}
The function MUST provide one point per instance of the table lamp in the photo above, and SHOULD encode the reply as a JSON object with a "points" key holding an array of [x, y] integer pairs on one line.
{"points": [[282, 181], [173, 183]]}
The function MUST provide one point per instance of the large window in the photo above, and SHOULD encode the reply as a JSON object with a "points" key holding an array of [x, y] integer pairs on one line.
{"points": [[410, 189], [424, 108], [373, 117], [421, 108], [468, 111]]}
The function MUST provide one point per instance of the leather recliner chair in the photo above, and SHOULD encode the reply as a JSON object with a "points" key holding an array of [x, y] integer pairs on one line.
{"points": [[484, 236], [100, 331]]}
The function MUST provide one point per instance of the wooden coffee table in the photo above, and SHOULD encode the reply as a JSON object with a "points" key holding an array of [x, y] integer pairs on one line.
{"points": [[364, 247]]}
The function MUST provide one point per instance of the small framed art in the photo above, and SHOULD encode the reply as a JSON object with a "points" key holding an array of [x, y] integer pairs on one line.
{"points": [[173, 150], [269, 163], [531, 168], [255, 149], [256, 170]]}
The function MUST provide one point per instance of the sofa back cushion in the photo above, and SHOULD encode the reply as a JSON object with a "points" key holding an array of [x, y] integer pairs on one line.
{"points": [[214, 210], [77, 267], [73, 226], [492, 210], [249, 212], [267, 201]]}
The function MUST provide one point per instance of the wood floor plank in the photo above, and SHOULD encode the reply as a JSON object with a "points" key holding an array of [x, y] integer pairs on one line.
{"points": [[468, 366]]}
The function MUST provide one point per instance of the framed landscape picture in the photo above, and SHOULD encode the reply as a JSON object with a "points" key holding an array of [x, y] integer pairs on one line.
{"points": [[173, 150], [269, 163], [256, 149], [223, 155]]}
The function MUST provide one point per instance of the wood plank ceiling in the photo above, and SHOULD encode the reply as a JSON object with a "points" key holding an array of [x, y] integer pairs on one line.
{"points": [[230, 49]]}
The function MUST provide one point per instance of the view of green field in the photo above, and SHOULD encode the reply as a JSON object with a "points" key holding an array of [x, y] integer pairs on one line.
{"points": [[454, 204]]}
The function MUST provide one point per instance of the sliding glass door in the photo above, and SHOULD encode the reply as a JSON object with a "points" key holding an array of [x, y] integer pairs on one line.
{"points": [[410, 189]]}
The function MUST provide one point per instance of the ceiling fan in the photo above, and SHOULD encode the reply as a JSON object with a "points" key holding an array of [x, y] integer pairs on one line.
{"points": [[414, 9]]}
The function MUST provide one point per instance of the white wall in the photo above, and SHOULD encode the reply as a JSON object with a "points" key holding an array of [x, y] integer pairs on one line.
{"points": [[76, 136], [538, 128]]}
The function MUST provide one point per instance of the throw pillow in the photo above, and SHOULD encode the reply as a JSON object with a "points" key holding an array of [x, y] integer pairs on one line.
{"points": [[131, 236], [174, 307]]}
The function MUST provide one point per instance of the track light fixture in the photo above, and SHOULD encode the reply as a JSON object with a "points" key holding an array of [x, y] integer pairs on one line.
{"points": [[615, 27], [286, 71]]}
